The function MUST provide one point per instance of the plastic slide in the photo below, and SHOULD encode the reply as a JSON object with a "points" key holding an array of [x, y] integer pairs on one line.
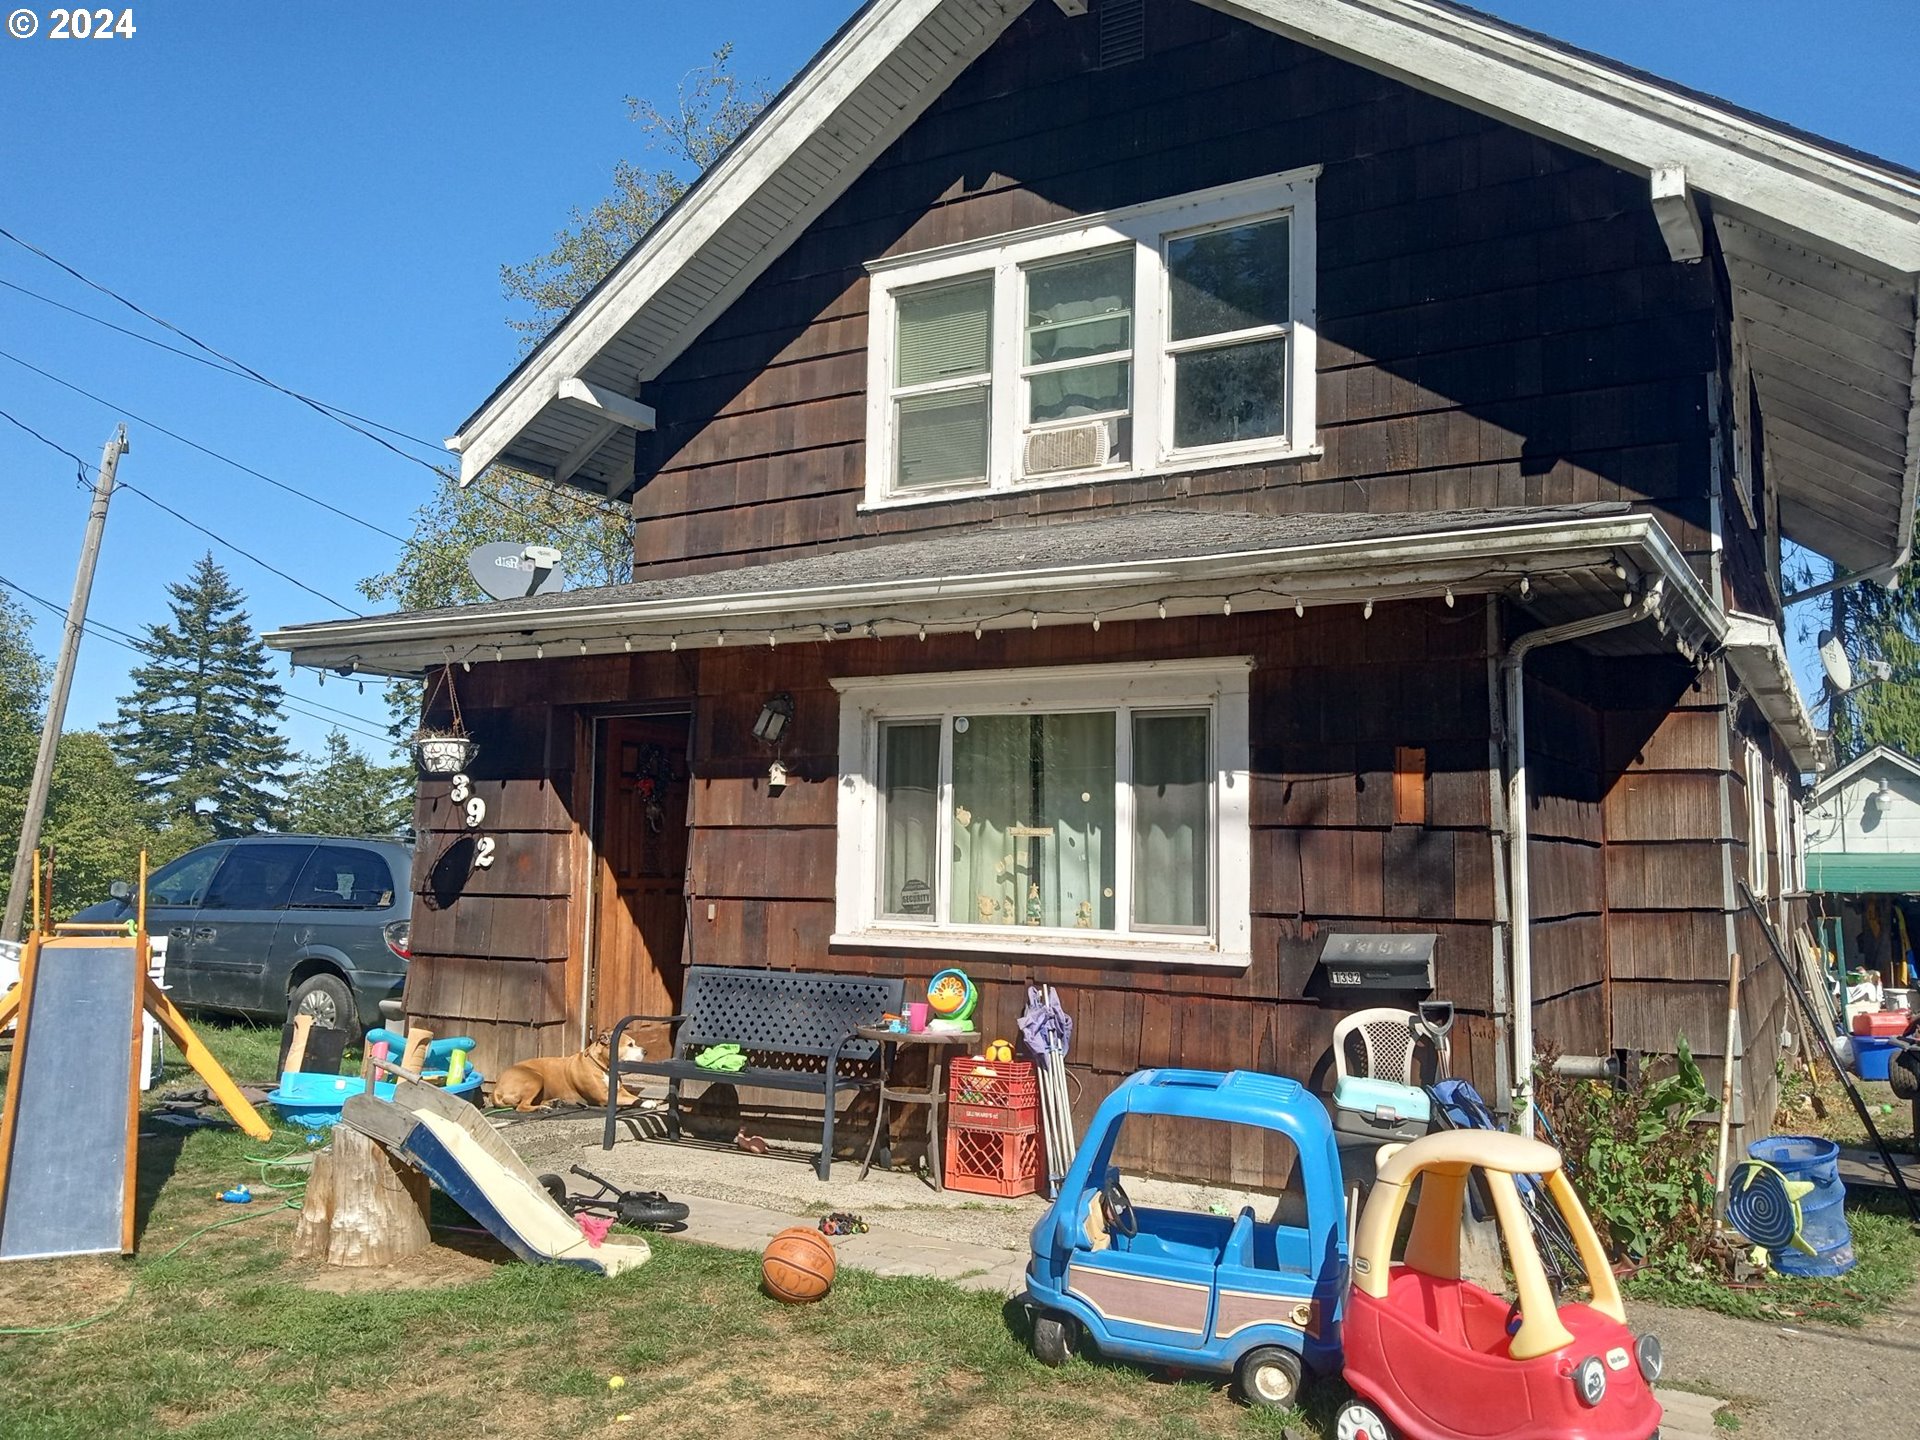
{"points": [[452, 1143]]}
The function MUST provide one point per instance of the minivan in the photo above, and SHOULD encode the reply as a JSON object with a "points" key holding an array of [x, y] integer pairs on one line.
{"points": [[273, 926]]}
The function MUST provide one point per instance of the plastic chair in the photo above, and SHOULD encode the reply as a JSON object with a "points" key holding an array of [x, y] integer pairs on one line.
{"points": [[1389, 1043]]}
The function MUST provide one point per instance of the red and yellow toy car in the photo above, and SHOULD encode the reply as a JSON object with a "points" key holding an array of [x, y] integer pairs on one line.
{"points": [[1432, 1356]]}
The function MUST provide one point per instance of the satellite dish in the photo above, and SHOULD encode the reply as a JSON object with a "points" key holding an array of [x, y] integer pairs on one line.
{"points": [[1833, 660], [508, 570]]}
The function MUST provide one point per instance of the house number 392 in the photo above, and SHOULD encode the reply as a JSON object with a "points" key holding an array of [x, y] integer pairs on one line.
{"points": [[473, 812]]}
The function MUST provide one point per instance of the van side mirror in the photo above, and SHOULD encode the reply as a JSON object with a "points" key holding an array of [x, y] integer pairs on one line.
{"points": [[120, 890]]}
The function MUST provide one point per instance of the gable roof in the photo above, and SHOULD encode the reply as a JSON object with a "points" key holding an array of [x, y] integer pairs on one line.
{"points": [[1822, 242], [1878, 755]]}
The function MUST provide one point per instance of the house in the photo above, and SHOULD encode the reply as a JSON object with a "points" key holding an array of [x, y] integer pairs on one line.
{"points": [[1862, 858], [1166, 483]]}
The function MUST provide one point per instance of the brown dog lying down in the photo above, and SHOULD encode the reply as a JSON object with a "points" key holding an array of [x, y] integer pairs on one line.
{"points": [[577, 1079]]}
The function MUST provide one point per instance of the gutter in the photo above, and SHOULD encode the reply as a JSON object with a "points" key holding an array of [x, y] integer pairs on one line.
{"points": [[1519, 903]]}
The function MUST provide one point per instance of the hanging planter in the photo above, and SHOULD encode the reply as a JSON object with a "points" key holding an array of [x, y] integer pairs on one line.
{"points": [[446, 751]]}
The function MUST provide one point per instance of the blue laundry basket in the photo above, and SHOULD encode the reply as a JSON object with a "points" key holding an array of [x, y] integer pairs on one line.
{"points": [[1823, 1214]]}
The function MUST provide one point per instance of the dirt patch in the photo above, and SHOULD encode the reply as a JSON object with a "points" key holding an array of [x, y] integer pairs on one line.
{"points": [[58, 1292], [434, 1268]]}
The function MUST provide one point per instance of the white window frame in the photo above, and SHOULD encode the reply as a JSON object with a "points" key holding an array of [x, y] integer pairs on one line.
{"points": [[1757, 872], [1147, 228], [1219, 686]]}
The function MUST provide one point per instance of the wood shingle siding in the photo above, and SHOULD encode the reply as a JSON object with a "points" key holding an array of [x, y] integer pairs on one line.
{"points": [[1499, 321]]}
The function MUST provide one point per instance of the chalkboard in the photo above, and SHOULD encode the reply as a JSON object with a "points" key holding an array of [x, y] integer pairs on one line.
{"points": [[71, 1094]]}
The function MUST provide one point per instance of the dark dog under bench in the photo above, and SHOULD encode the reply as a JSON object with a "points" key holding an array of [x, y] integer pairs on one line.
{"points": [[794, 1013]]}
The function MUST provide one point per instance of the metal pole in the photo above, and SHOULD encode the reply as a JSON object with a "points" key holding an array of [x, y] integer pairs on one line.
{"points": [[36, 809]]}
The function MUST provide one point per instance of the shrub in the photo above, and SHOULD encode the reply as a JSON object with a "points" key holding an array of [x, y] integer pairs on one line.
{"points": [[1641, 1165]]}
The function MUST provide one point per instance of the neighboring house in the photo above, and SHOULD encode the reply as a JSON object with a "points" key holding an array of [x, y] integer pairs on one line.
{"points": [[1861, 830], [1206, 477]]}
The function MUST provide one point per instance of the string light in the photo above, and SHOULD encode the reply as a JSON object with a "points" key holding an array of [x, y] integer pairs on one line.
{"points": [[539, 652], [1036, 621], [1366, 611], [720, 637], [1449, 597], [629, 644], [1163, 609], [674, 643], [976, 629], [1299, 606], [1096, 624], [467, 665], [923, 632], [771, 641], [1226, 606], [583, 646], [1526, 587], [496, 654]]}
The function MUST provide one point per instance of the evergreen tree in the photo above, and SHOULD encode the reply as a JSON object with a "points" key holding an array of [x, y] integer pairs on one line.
{"points": [[1873, 622], [342, 792], [202, 722]]}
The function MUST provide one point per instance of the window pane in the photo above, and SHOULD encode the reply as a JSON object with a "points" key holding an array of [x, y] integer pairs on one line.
{"points": [[1084, 307], [1233, 279], [1171, 830], [1238, 392], [941, 439], [909, 816], [1033, 799], [1084, 390], [945, 333], [184, 881], [344, 877], [256, 877]]}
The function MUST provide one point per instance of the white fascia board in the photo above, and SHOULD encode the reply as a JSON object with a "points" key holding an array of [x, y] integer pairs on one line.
{"points": [[1631, 123], [1352, 569], [767, 145], [1880, 754], [1759, 657]]}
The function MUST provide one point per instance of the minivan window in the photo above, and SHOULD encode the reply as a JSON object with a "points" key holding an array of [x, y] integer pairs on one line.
{"points": [[344, 877], [256, 877], [181, 883]]}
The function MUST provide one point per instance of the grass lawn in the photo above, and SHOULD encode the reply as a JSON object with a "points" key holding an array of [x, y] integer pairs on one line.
{"points": [[228, 1338]]}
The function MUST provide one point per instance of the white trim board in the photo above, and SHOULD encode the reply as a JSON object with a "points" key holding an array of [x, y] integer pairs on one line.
{"points": [[896, 56]]}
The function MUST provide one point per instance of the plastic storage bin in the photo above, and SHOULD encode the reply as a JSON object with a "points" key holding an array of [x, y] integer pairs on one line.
{"points": [[1882, 1023], [1823, 1215], [1873, 1056]]}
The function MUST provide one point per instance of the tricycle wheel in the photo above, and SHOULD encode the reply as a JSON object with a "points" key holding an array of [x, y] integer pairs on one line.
{"points": [[1054, 1338], [1269, 1375], [555, 1187], [1360, 1421]]}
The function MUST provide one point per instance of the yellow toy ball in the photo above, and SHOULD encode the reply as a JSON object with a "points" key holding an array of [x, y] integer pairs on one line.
{"points": [[1000, 1051]]}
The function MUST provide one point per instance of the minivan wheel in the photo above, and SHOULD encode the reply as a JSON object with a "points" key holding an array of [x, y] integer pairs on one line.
{"points": [[328, 1000]]}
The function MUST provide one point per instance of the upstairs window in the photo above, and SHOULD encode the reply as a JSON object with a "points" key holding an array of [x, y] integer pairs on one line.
{"points": [[1171, 336]]}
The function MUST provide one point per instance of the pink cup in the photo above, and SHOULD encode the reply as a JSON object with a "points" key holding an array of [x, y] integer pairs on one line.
{"points": [[916, 1015]]}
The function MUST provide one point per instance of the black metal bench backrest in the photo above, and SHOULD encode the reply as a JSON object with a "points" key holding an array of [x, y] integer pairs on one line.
{"points": [[784, 1012]]}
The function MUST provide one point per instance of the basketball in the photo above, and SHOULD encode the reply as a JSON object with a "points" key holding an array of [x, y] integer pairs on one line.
{"points": [[797, 1266]]}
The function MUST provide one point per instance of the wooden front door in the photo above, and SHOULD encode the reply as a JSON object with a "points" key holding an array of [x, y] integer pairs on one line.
{"points": [[640, 864]]}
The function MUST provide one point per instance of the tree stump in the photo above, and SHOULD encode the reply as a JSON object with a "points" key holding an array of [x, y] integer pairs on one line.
{"points": [[363, 1206]]}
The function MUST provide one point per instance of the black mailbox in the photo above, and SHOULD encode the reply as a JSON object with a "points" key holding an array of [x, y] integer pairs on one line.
{"points": [[1379, 962]]}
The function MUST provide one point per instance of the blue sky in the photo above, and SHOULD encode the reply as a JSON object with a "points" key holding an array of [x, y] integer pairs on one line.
{"points": [[327, 191]]}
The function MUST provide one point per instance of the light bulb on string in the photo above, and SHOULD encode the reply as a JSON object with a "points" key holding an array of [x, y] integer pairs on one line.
{"points": [[1366, 611], [1226, 606], [977, 627], [1449, 597], [673, 643], [719, 637], [1163, 609], [923, 632]]}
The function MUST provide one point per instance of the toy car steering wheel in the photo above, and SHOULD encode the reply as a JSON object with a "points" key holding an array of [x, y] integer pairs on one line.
{"points": [[1119, 1209]]}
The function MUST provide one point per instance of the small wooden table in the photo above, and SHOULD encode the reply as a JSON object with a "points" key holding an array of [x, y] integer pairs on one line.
{"points": [[934, 1097]]}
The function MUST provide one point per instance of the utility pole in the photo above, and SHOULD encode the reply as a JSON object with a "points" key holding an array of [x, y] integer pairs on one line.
{"points": [[36, 810]]}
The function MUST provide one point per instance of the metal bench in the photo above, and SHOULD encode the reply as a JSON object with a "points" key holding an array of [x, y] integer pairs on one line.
{"points": [[770, 1015]]}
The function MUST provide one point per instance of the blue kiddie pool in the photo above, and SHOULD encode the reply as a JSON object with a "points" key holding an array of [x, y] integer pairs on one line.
{"points": [[315, 1101]]}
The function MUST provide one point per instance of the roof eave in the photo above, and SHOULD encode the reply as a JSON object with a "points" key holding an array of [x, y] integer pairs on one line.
{"points": [[1343, 572]]}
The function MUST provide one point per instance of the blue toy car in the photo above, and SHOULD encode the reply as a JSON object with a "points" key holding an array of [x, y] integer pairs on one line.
{"points": [[1258, 1299]]}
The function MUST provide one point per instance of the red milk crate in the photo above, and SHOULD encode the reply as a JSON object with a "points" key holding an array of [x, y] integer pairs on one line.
{"points": [[997, 1084], [993, 1162]]}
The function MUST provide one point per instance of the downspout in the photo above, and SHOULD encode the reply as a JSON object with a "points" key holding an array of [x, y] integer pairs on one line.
{"points": [[1519, 902]]}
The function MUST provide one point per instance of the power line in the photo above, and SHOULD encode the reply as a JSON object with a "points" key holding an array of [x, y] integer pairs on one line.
{"points": [[248, 554], [110, 634], [85, 468], [224, 369], [204, 450], [332, 413]]}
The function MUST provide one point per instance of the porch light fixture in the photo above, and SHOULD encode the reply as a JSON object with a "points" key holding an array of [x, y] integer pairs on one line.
{"points": [[773, 719]]}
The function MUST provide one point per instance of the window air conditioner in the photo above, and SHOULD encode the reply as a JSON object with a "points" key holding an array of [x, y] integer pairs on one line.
{"points": [[1072, 447]]}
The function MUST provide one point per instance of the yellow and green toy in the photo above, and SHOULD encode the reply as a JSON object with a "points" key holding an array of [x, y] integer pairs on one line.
{"points": [[952, 996], [1763, 1204]]}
